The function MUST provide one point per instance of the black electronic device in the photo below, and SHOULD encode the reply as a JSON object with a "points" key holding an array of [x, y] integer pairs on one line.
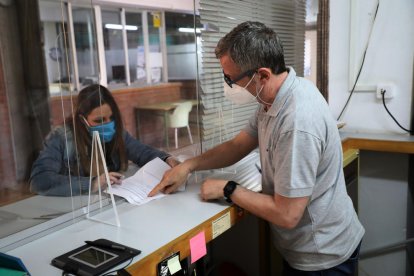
{"points": [[94, 258], [163, 269]]}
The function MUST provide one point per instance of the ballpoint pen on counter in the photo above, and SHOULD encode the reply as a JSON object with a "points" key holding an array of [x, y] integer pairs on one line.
{"points": [[104, 244], [258, 167]]}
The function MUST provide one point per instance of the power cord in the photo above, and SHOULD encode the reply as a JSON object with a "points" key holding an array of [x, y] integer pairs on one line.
{"points": [[383, 91], [360, 68]]}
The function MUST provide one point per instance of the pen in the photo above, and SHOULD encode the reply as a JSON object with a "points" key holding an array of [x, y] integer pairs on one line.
{"points": [[106, 245], [258, 168]]}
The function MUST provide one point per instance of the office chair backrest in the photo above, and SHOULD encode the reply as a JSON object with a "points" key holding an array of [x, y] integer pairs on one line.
{"points": [[179, 117]]}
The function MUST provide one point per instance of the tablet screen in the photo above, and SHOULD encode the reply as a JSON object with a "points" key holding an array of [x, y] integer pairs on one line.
{"points": [[93, 256]]}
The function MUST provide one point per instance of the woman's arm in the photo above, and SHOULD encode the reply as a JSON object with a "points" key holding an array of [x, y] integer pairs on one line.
{"points": [[140, 153], [50, 171]]}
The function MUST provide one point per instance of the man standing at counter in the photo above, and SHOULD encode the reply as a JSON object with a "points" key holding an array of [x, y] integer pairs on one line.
{"points": [[314, 225]]}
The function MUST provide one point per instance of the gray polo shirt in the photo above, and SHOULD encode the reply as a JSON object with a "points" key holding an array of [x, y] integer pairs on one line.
{"points": [[301, 155]]}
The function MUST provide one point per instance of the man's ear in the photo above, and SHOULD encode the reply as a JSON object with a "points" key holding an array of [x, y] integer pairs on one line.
{"points": [[264, 74]]}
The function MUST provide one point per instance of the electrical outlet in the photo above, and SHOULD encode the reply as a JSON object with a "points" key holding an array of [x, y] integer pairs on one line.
{"points": [[389, 89]]}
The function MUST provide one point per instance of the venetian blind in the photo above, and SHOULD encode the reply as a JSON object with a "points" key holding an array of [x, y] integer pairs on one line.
{"points": [[221, 120]]}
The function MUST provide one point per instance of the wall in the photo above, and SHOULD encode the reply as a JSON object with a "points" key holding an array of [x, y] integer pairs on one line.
{"points": [[383, 210], [383, 182], [7, 171], [389, 58], [17, 86]]}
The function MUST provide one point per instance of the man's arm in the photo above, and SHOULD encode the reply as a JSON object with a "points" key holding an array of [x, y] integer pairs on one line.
{"points": [[225, 154], [220, 156], [279, 210]]}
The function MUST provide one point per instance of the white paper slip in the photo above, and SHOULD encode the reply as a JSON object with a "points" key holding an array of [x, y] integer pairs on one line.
{"points": [[135, 189]]}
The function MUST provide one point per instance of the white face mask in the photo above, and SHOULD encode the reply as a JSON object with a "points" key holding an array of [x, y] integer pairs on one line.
{"points": [[239, 95]]}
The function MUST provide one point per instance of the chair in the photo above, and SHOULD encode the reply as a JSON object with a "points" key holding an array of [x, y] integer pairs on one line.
{"points": [[179, 118]]}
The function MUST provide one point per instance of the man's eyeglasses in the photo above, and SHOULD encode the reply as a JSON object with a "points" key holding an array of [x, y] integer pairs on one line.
{"points": [[230, 82]]}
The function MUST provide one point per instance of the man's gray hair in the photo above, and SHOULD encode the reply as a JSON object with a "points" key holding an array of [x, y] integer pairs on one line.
{"points": [[252, 45]]}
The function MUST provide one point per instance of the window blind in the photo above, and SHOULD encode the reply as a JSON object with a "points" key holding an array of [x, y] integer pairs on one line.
{"points": [[220, 119]]}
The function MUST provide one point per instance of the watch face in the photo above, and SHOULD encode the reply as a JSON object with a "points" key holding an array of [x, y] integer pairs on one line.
{"points": [[228, 188]]}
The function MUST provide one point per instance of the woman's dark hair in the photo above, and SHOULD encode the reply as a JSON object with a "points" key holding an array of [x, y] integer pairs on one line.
{"points": [[88, 99]]}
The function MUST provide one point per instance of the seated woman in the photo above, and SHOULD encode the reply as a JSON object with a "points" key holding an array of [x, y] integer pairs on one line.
{"points": [[63, 166]]}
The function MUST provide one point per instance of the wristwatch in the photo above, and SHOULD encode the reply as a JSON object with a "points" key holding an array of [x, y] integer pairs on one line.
{"points": [[229, 189]]}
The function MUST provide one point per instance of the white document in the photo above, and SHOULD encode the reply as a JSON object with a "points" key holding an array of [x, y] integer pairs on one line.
{"points": [[135, 189]]}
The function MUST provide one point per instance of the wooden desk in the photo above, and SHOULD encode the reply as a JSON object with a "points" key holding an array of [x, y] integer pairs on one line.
{"points": [[157, 228], [160, 109], [378, 142]]}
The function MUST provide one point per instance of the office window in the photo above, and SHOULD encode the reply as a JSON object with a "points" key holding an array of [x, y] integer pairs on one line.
{"points": [[180, 28], [114, 47], [86, 46], [311, 41], [58, 63], [181, 45], [136, 50], [155, 47]]}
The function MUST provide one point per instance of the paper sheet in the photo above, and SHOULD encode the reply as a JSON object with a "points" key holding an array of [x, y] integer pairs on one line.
{"points": [[136, 188]]}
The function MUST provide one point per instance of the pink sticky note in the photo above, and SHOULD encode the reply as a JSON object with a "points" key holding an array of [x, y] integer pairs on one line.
{"points": [[198, 246]]}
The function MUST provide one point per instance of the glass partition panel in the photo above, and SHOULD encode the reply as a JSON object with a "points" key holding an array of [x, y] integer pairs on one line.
{"points": [[221, 120], [50, 39], [52, 50]]}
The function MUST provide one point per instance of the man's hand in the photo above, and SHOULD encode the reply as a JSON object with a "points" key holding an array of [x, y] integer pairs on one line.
{"points": [[172, 179], [212, 189], [114, 178]]}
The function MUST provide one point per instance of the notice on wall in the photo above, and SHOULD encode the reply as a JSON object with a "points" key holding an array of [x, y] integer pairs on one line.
{"points": [[221, 224], [156, 19]]}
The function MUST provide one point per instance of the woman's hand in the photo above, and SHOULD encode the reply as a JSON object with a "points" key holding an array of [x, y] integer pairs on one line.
{"points": [[172, 162], [114, 178]]}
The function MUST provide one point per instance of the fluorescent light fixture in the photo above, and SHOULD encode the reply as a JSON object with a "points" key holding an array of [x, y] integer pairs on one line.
{"points": [[189, 30], [119, 27]]}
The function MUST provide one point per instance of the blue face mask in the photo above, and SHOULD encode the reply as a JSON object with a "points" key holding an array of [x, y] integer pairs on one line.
{"points": [[106, 131]]}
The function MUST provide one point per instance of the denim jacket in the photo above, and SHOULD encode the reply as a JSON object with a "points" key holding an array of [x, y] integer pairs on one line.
{"points": [[50, 171]]}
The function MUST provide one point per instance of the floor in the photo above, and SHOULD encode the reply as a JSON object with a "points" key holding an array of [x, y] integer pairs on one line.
{"points": [[183, 140]]}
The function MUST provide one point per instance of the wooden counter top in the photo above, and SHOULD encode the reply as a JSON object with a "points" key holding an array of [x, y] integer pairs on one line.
{"points": [[148, 265], [378, 142]]}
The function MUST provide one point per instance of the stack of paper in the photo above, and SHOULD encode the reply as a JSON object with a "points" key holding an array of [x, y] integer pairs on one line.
{"points": [[135, 189]]}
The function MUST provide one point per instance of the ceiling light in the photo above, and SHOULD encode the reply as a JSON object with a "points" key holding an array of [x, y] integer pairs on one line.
{"points": [[119, 27], [189, 30]]}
